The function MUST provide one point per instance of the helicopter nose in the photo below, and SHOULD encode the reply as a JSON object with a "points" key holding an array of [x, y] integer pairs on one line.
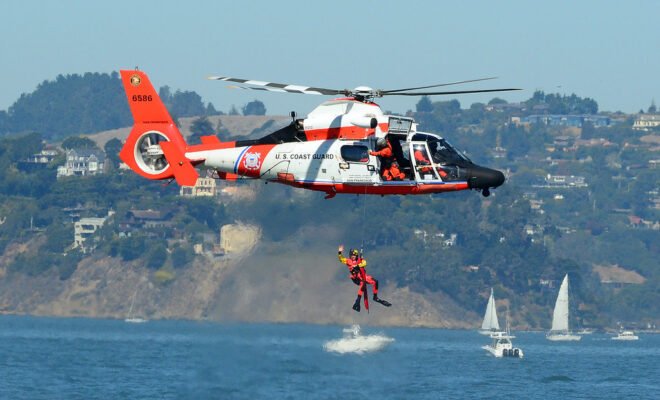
{"points": [[484, 178]]}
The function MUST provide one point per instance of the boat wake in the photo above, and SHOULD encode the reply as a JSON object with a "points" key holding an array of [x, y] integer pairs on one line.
{"points": [[354, 342]]}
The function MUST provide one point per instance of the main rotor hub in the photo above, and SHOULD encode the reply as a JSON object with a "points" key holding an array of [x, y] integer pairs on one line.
{"points": [[365, 93]]}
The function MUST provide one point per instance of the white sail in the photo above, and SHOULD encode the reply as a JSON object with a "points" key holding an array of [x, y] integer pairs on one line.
{"points": [[490, 318], [131, 317], [560, 315]]}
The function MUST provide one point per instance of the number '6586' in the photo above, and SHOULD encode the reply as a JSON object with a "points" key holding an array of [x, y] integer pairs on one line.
{"points": [[142, 97]]}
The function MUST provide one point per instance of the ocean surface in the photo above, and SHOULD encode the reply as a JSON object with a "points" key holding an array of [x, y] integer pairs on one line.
{"points": [[60, 358]]}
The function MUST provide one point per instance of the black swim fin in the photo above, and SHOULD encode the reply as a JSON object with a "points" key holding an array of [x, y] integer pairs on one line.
{"points": [[383, 302], [356, 305]]}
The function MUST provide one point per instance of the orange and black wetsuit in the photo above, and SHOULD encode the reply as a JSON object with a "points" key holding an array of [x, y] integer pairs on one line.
{"points": [[386, 158], [394, 173], [355, 267], [359, 277], [422, 162], [385, 152]]}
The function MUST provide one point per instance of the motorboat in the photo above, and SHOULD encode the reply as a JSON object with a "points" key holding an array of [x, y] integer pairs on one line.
{"points": [[626, 335], [501, 346]]}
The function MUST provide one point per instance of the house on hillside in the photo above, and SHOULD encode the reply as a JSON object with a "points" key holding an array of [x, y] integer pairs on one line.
{"points": [[37, 161], [646, 122], [84, 229], [203, 187], [502, 107], [567, 120], [617, 277], [137, 220], [82, 162], [565, 181]]}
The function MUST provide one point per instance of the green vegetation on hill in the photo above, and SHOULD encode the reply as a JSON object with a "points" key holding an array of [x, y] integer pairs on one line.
{"points": [[528, 233], [81, 104]]}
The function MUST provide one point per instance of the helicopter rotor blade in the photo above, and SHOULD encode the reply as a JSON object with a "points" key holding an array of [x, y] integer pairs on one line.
{"points": [[271, 89], [272, 86], [445, 93], [385, 92]]}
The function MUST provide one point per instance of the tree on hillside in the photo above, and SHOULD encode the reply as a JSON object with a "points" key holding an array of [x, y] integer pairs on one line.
{"points": [[200, 127], [4, 122], [497, 100], [424, 104], [254, 108], [78, 142], [73, 103], [20, 147], [112, 149], [562, 104], [222, 132]]}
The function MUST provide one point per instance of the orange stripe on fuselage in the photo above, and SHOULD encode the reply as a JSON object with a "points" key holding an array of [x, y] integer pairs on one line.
{"points": [[344, 132]]}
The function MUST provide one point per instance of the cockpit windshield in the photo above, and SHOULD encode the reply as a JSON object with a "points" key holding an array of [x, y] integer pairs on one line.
{"points": [[442, 152]]}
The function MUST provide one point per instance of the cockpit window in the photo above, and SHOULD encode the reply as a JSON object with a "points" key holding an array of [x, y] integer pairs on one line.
{"points": [[357, 153], [443, 153]]}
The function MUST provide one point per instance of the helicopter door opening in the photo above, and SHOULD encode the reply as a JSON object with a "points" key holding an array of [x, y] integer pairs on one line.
{"points": [[356, 166], [422, 165]]}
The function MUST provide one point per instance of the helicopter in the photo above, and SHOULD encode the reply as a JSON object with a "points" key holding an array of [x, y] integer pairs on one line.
{"points": [[328, 151]]}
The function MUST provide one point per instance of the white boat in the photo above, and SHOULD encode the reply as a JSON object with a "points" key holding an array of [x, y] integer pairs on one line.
{"points": [[501, 345], [626, 335], [559, 330], [132, 318], [490, 323]]}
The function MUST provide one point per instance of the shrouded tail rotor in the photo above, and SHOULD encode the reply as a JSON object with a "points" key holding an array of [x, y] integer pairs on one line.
{"points": [[148, 153]]}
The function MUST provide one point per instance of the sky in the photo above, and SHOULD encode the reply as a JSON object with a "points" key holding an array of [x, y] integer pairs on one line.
{"points": [[605, 50]]}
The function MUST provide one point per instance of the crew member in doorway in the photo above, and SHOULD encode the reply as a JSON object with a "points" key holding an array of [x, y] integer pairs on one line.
{"points": [[384, 149], [356, 265], [389, 168]]}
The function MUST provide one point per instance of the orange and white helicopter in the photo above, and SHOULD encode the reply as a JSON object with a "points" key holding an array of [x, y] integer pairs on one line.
{"points": [[327, 151]]}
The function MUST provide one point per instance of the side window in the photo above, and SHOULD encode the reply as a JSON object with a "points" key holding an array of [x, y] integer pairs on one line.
{"points": [[352, 153]]}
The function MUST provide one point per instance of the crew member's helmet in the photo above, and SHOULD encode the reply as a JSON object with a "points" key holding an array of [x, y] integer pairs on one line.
{"points": [[354, 252], [381, 143]]}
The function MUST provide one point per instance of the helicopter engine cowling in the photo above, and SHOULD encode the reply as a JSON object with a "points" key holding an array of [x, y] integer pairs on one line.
{"points": [[364, 122]]}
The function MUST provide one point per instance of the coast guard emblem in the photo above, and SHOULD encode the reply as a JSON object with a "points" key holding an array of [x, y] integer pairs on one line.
{"points": [[252, 161], [135, 80]]}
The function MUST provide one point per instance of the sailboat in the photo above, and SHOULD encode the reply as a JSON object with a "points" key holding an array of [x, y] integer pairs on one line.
{"points": [[490, 323], [132, 317], [559, 330]]}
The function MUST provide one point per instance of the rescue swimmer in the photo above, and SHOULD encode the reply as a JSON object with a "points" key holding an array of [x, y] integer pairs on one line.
{"points": [[356, 266]]}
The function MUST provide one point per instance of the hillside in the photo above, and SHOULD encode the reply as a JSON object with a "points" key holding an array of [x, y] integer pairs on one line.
{"points": [[237, 125], [581, 197]]}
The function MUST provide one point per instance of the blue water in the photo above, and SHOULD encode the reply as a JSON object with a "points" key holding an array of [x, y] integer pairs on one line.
{"points": [[47, 358]]}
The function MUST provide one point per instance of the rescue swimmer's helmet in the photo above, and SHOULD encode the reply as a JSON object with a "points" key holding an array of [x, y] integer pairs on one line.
{"points": [[381, 143], [354, 252]]}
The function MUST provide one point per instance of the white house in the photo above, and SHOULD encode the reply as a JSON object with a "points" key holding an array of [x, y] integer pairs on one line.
{"points": [[82, 162]]}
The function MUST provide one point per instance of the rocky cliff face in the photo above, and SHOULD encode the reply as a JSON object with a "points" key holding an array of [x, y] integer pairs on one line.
{"points": [[274, 282]]}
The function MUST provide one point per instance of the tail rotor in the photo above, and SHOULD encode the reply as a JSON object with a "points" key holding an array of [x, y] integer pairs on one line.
{"points": [[151, 157]]}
